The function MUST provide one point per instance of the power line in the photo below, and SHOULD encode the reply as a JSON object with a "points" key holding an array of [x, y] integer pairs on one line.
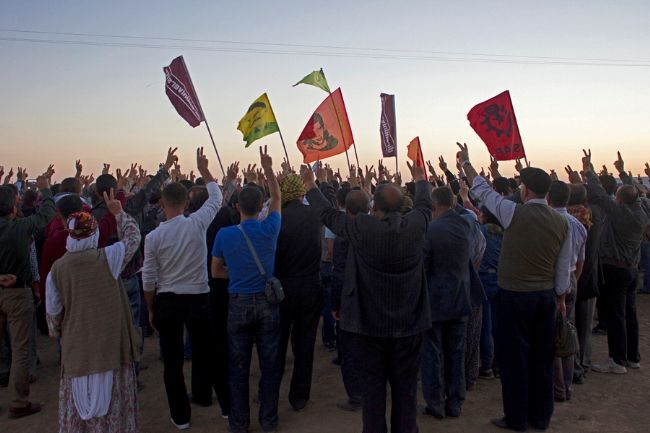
{"points": [[316, 53], [333, 47]]}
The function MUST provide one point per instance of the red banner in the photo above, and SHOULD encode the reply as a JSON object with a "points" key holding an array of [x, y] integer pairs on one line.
{"points": [[415, 153], [495, 122], [328, 130], [181, 93]]}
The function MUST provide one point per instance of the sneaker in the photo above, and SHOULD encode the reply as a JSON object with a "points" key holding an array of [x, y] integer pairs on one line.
{"points": [[633, 365], [19, 412], [609, 366], [181, 426]]}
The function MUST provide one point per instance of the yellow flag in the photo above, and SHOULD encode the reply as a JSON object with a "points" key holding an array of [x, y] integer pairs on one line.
{"points": [[258, 121]]}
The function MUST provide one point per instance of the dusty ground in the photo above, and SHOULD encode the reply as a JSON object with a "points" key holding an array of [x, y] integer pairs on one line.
{"points": [[605, 403]]}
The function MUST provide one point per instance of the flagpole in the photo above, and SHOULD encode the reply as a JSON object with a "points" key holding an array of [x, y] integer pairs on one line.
{"points": [[283, 146], [214, 146]]}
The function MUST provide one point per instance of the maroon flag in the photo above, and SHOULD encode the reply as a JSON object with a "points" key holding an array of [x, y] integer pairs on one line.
{"points": [[181, 93], [495, 122], [387, 126]]}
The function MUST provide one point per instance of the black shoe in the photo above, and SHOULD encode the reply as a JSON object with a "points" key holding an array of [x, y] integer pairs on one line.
{"points": [[348, 406], [452, 413], [486, 374], [298, 405], [432, 413], [501, 423]]}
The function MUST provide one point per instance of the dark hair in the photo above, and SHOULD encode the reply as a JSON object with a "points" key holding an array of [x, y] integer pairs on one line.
{"points": [[70, 184], [609, 183], [199, 181], [578, 195], [174, 194], [186, 183], [198, 196], [341, 194], [559, 193], [155, 197], [357, 202], [628, 194], [489, 217], [54, 189], [250, 199], [319, 119], [68, 205], [388, 198], [502, 185], [104, 183], [7, 200], [512, 183], [443, 196], [29, 198]]}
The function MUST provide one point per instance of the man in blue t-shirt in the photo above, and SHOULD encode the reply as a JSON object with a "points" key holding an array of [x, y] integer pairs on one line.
{"points": [[251, 318]]}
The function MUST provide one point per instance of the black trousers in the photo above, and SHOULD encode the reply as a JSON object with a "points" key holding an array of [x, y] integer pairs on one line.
{"points": [[219, 299], [171, 312], [525, 344], [618, 297], [299, 316], [395, 361], [349, 366]]}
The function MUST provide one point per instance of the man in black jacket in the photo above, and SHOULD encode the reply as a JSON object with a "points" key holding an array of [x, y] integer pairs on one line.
{"points": [[384, 301], [447, 263]]}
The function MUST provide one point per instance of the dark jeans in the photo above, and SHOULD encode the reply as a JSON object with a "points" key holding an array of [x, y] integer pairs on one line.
{"points": [[618, 298], [644, 265], [219, 299], [171, 312], [327, 332], [299, 316], [491, 288], [349, 366], [525, 344], [251, 319], [443, 367], [395, 361]]}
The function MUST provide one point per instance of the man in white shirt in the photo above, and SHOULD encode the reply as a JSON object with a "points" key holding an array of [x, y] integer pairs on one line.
{"points": [[175, 280]]}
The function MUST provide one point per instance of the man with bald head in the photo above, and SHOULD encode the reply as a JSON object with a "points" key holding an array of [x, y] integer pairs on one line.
{"points": [[620, 253], [384, 301]]}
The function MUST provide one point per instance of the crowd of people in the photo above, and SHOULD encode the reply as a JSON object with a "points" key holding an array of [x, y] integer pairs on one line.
{"points": [[442, 280]]}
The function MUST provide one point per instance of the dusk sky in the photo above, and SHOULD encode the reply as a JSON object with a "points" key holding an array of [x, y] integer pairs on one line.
{"points": [[65, 101]]}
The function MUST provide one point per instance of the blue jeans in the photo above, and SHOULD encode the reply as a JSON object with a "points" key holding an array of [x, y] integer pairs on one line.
{"points": [[443, 367], [645, 266], [251, 319], [491, 288]]}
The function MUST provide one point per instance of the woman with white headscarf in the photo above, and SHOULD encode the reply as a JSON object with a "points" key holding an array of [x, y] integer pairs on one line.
{"points": [[88, 309]]}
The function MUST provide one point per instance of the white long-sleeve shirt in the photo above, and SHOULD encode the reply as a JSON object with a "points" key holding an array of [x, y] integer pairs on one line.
{"points": [[504, 210], [176, 254]]}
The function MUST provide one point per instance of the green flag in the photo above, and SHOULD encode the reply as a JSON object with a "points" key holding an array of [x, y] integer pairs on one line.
{"points": [[258, 121], [316, 78]]}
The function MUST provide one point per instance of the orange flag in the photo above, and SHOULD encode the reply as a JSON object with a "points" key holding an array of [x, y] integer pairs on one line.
{"points": [[328, 131], [415, 152]]}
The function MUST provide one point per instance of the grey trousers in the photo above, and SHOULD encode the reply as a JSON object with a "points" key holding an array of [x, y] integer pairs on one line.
{"points": [[584, 316], [563, 367]]}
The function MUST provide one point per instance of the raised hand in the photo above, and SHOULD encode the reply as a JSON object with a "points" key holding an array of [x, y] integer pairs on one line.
{"points": [[464, 190], [286, 166], [202, 165], [432, 170], [2, 170], [192, 176], [233, 170], [106, 168], [265, 160], [586, 161], [518, 166], [9, 175], [494, 167], [604, 171], [416, 172], [463, 154], [114, 206], [442, 164], [79, 168], [619, 164], [171, 158], [307, 176], [554, 175], [647, 169], [321, 173], [574, 176]]}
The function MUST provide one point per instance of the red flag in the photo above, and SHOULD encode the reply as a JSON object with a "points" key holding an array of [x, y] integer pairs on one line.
{"points": [[495, 122], [328, 131], [415, 152], [181, 93]]}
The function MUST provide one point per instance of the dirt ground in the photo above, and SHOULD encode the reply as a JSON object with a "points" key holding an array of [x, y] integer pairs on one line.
{"points": [[605, 403]]}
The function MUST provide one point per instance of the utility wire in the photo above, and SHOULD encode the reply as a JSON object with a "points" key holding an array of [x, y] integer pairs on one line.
{"points": [[334, 47], [317, 53]]}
